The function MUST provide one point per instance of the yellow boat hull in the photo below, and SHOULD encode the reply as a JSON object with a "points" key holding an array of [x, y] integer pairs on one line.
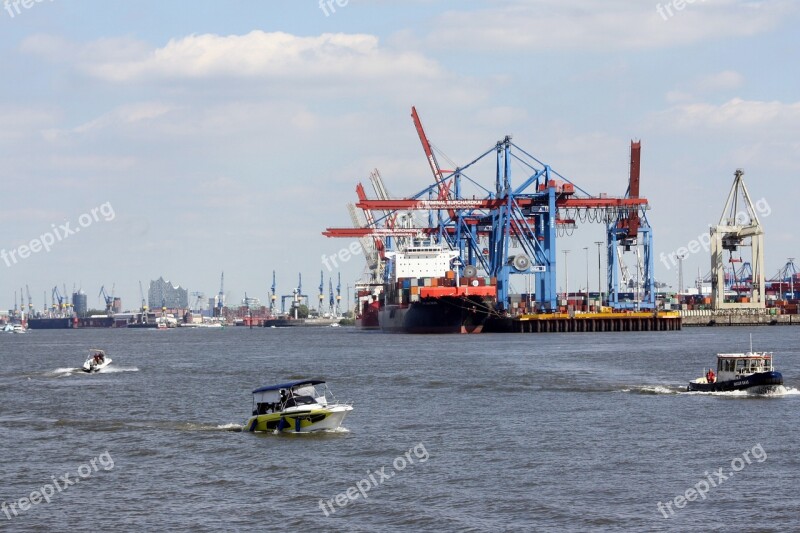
{"points": [[305, 421]]}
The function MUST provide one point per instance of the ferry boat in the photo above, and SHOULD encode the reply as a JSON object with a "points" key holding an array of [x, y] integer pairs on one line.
{"points": [[751, 371], [297, 407], [426, 295]]}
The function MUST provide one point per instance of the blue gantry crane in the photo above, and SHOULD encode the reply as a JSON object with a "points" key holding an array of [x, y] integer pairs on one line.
{"points": [[511, 225]]}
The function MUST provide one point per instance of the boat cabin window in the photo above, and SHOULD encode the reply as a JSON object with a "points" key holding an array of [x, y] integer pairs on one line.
{"points": [[299, 400]]}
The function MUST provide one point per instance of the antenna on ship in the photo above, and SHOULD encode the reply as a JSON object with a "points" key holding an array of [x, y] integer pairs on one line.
{"points": [[751, 343]]}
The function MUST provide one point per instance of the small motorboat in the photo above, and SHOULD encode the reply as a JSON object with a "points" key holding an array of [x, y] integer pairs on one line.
{"points": [[96, 361], [752, 372], [298, 407]]}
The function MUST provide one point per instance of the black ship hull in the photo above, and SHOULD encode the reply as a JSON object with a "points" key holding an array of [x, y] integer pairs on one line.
{"points": [[96, 322], [436, 315], [759, 382], [51, 323]]}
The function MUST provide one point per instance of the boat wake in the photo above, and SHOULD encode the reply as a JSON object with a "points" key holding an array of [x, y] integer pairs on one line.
{"points": [[63, 372], [191, 426], [117, 369], [654, 389], [307, 434], [67, 372]]}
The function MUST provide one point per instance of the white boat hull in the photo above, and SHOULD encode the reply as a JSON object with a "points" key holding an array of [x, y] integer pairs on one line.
{"points": [[89, 367]]}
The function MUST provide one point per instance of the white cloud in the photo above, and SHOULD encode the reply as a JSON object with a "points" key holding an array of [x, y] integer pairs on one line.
{"points": [[720, 81], [18, 122], [255, 54], [612, 24], [736, 113]]}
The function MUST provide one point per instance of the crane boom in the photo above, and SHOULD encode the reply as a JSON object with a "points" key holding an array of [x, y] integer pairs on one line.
{"points": [[426, 146]]}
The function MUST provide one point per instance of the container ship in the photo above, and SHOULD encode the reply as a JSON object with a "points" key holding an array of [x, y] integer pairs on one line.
{"points": [[426, 296]]}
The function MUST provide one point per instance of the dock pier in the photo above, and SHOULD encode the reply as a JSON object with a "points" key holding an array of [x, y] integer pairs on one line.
{"points": [[585, 323]]}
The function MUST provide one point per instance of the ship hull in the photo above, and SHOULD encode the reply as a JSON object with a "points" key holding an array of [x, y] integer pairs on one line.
{"points": [[760, 382], [435, 316], [51, 323], [300, 322], [369, 317], [96, 322]]}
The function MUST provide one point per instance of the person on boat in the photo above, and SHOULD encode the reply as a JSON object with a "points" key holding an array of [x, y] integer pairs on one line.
{"points": [[710, 376]]}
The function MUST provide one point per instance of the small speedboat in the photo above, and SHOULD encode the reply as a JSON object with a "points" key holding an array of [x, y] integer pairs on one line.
{"points": [[298, 407], [752, 372], [96, 361]]}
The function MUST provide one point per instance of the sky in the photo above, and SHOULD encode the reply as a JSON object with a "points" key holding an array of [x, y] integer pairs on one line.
{"points": [[186, 138]]}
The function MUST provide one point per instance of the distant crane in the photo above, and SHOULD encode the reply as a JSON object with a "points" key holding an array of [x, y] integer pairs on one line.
{"points": [[220, 296], [198, 299], [57, 298], [272, 296], [297, 296], [339, 296], [30, 300], [321, 292], [144, 302], [331, 301], [108, 299]]}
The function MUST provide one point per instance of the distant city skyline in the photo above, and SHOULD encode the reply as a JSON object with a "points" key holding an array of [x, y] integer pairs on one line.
{"points": [[183, 139]]}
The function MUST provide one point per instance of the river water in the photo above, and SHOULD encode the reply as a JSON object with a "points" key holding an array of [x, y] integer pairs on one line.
{"points": [[519, 432]]}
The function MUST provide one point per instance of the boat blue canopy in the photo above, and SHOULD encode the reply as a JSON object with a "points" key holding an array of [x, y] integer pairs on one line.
{"points": [[290, 385]]}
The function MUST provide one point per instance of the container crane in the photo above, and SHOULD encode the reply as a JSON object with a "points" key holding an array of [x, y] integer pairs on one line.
{"points": [[513, 228], [630, 230], [738, 229]]}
